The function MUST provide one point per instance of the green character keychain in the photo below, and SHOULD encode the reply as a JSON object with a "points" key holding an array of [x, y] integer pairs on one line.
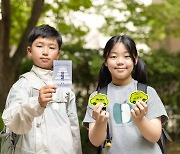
{"points": [[138, 96], [99, 99]]}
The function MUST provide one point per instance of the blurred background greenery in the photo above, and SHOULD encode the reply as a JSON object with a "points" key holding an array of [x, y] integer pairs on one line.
{"points": [[85, 26]]}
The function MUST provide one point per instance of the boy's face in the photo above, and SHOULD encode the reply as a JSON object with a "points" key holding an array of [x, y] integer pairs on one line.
{"points": [[43, 51]]}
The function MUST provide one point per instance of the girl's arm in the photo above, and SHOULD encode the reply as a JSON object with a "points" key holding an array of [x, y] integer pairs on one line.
{"points": [[98, 130], [150, 129]]}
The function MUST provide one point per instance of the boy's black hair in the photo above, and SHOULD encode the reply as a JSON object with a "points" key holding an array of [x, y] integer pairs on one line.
{"points": [[139, 72], [44, 31]]}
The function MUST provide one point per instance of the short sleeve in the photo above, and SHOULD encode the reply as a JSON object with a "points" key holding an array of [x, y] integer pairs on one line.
{"points": [[88, 116], [155, 106]]}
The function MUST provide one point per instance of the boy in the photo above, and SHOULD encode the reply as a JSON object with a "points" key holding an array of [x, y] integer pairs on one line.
{"points": [[45, 126]]}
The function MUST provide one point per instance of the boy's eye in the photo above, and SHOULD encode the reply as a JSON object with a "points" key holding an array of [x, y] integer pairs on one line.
{"points": [[52, 48], [128, 56], [39, 46]]}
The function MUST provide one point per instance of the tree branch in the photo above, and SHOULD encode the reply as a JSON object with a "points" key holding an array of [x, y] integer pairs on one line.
{"points": [[35, 15]]}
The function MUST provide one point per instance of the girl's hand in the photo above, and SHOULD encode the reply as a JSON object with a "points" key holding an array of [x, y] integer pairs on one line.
{"points": [[45, 94], [98, 129], [100, 115], [139, 111]]}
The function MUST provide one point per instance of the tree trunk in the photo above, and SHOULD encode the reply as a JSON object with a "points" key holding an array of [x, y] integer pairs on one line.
{"points": [[9, 65], [5, 62]]}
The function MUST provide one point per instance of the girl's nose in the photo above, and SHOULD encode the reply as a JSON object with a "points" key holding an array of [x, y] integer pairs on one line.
{"points": [[120, 60]]}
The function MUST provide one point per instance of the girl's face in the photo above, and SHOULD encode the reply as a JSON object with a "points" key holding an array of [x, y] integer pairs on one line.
{"points": [[120, 64], [43, 51]]}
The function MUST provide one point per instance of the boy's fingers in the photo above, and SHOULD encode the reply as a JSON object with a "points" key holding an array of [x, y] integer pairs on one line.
{"points": [[50, 87]]}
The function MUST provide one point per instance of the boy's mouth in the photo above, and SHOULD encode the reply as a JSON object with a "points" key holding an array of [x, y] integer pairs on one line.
{"points": [[44, 59]]}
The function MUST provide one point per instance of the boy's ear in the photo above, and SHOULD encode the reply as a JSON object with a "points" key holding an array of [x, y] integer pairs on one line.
{"points": [[29, 51], [59, 54]]}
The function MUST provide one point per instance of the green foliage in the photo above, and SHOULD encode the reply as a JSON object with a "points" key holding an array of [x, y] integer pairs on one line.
{"points": [[21, 12], [95, 65], [149, 23], [163, 74], [143, 23], [79, 4], [24, 67], [64, 19], [163, 22]]}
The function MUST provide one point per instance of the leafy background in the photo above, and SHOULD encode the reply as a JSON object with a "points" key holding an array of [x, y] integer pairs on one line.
{"points": [[150, 25]]}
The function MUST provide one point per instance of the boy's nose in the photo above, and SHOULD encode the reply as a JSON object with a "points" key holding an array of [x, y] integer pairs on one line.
{"points": [[45, 51]]}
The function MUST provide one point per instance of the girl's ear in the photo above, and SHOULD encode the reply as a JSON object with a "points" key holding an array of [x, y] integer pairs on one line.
{"points": [[136, 61], [105, 63], [29, 51]]}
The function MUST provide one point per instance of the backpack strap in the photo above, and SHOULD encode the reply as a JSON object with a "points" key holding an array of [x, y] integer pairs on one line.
{"points": [[103, 90], [142, 87], [164, 135], [108, 139]]}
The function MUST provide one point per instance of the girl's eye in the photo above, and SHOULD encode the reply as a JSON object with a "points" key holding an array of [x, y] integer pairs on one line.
{"points": [[113, 56]]}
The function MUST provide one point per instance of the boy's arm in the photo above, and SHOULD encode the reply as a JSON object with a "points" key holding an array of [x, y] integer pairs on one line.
{"points": [[73, 118], [20, 108]]}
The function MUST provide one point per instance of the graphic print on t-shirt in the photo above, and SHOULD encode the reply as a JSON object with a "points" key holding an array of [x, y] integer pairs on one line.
{"points": [[122, 112]]}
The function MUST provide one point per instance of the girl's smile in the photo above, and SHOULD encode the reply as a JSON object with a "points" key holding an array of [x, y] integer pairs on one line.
{"points": [[120, 64]]}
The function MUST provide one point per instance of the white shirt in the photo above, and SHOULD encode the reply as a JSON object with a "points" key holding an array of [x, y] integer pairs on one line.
{"points": [[50, 130]]}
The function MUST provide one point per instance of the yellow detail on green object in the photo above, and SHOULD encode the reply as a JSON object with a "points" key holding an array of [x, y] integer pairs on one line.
{"points": [[99, 99], [138, 96]]}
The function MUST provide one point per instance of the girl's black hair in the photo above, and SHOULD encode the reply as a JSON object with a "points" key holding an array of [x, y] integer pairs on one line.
{"points": [[44, 31], [139, 73]]}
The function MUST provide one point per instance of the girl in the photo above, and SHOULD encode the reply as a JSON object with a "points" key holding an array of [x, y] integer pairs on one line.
{"points": [[133, 128]]}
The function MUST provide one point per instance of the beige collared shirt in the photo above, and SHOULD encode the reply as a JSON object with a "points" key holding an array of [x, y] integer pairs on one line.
{"points": [[50, 130]]}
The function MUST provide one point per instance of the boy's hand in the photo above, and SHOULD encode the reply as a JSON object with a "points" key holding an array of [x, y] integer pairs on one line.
{"points": [[139, 111], [45, 94], [100, 115]]}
